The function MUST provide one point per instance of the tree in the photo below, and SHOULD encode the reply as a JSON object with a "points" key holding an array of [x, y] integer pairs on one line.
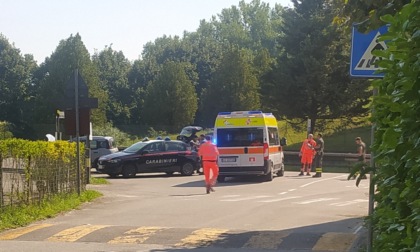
{"points": [[70, 54], [234, 86], [16, 88], [113, 70], [368, 13], [310, 78], [171, 100]]}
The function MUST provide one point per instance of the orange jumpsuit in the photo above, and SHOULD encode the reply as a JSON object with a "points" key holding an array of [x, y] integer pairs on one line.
{"points": [[208, 153], [308, 151]]}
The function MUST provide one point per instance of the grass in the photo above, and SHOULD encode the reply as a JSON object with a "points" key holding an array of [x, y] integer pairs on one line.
{"points": [[98, 181], [18, 216]]}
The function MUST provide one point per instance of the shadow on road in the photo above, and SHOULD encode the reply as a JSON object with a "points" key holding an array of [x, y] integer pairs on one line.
{"points": [[230, 181], [331, 236]]}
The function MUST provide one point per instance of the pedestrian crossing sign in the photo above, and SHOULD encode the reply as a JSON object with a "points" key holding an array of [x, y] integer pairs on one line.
{"points": [[362, 62]]}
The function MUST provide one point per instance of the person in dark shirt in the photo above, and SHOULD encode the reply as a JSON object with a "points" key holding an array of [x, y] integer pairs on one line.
{"points": [[319, 155]]}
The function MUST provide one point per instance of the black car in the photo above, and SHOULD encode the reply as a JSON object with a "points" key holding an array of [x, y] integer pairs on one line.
{"points": [[150, 157], [188, 133]]}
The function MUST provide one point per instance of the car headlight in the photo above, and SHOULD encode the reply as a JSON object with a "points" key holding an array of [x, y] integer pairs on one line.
{"points": [[114, 161]]}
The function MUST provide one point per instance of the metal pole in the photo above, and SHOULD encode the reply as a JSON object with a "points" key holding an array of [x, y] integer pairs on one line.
{"points": [[76, 95], [371, 185]]}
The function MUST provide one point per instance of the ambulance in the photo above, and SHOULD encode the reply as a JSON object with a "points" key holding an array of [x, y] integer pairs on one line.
{"points": [[248, 144]]}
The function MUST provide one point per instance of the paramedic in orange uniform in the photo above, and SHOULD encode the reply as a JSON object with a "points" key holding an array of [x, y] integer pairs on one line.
{"points": [[208, 153], [307, 153]]}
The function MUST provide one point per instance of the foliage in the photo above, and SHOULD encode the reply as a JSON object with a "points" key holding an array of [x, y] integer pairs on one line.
{"points": [[121, 138], [171, 99], [16, 88], [310, 78], [396, 146], [234, 86], [113, 70], [17, 216], [70, 54], [4, 131], [368, 13]]}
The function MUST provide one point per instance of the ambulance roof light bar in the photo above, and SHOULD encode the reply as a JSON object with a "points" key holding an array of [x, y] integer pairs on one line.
{"points": [[253, 112]]}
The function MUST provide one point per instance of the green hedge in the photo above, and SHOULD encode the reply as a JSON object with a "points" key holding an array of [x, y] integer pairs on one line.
{"points": [[396, 219], [34, 170]]}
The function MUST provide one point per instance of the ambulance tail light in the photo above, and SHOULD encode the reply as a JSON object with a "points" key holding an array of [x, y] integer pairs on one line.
{"points": [[265, 150]]}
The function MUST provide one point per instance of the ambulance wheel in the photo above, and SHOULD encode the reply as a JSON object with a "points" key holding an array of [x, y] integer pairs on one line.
{"points": [[129, 171], [270, 175], [280, 173], [221, 179], [187, 169]]}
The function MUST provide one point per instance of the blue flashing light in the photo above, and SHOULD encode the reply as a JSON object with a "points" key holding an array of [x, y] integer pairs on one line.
{"points": [[255, 112], [224, 113]]}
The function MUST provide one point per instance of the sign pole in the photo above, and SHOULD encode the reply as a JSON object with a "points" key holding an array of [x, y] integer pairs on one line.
{"points": [[76, 101]]}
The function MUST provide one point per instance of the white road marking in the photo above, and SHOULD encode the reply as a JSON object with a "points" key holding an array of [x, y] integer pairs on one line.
{"points": [[358, 229], [315, 200], [279, 199], [230, 196], [247, 198], [349, 202], [321, 180], [282, 193], [126, 196], [291, 190]]}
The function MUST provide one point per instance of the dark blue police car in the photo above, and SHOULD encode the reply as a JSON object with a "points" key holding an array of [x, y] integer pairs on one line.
{"points": [[150, 157]]}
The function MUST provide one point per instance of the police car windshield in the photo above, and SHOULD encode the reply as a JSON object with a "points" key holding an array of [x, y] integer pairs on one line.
{"points": [[135, 147]]}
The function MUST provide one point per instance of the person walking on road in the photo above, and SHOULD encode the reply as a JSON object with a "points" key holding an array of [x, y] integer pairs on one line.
{"points": [[361, 152], [209, 154], [307, 152], [319, 155]]}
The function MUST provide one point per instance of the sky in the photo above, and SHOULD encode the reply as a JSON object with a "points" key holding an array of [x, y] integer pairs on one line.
{"points": [[37, 27]]}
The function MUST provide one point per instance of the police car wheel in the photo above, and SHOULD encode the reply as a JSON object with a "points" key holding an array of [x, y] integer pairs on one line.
{"points": [[187, 169], [129, 171]]}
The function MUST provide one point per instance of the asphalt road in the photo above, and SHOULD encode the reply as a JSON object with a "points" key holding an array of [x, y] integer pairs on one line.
{"points": [[161, 213]]}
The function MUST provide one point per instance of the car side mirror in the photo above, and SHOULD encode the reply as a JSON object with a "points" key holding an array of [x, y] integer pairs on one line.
{"points": [[283, 141]]}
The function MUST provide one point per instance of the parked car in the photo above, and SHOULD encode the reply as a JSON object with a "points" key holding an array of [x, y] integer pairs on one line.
{"points": [[99, 146], [152, 156], [188, 133]]}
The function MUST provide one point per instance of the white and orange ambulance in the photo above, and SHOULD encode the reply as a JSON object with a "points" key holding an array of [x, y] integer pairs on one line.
{"points": [[249, 144]]}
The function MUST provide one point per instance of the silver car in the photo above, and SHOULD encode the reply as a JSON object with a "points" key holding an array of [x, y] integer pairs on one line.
{"points": [[99, 146]]}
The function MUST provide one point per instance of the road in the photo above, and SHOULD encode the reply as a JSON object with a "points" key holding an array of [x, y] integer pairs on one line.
{"points": [[161, 213]]}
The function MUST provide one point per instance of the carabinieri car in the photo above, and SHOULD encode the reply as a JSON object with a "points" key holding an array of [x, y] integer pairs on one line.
{"points": [[151, 156]]}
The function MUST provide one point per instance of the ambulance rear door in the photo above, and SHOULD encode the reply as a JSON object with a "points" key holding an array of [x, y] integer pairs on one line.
{"points": [[240, 147]]}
